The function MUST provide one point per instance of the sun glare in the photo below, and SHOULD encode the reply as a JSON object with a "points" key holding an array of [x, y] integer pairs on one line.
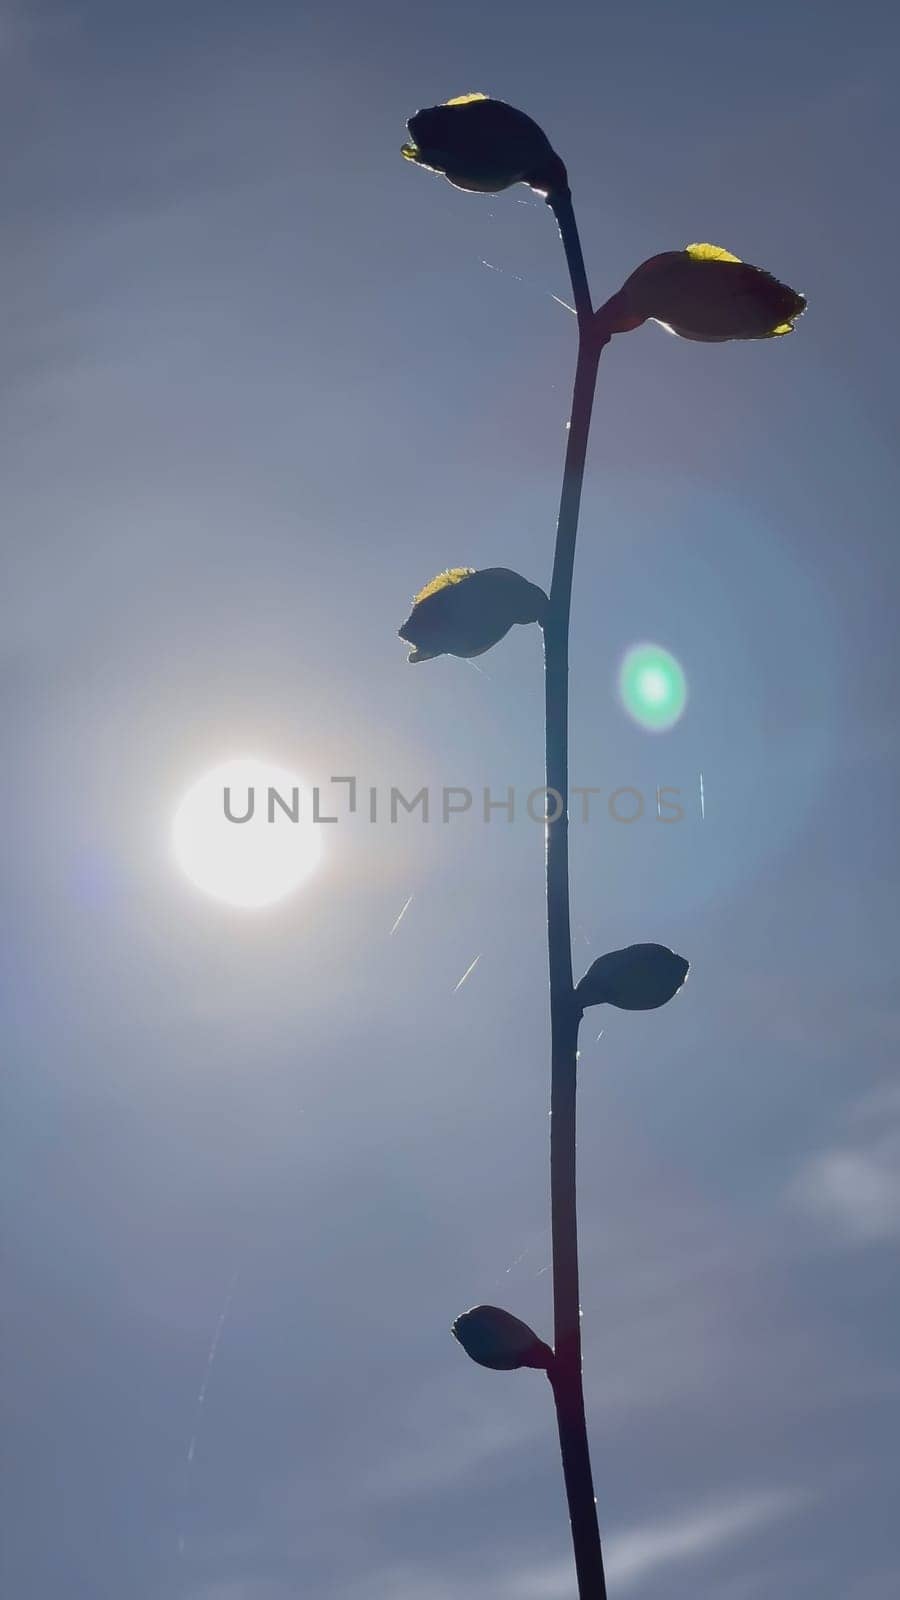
{"points": [[243, 833]]}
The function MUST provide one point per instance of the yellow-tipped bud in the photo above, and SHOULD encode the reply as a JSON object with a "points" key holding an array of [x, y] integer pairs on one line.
{"points": [[462, 612], [704, 292], [483, 145]]}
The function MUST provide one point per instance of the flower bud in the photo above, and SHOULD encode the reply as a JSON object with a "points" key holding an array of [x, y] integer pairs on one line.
{"points": [[462, 612], [483, 145], [704, 293], [638, 978], [496, 1339]]}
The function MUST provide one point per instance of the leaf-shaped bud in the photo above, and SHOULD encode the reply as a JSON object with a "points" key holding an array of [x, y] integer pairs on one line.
{"points": [[462, 612], [484, 145], [494, 1338], [638, 978], [704, 293]]}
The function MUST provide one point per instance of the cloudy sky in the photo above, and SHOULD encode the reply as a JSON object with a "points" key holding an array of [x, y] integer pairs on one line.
{"points": [[262, 379]]}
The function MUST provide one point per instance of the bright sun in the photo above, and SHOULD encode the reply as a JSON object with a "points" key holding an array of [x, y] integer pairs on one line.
{"points": [[254, 862]]}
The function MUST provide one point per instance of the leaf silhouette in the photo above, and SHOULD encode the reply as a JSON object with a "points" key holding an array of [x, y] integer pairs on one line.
{"points": [[496, 1339]]}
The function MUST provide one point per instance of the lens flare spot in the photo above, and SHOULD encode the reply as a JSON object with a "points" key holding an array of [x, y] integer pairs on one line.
{"points": [[652, 687]]}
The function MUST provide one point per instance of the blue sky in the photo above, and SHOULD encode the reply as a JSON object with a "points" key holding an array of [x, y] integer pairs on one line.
{"points": [[258, 386]]}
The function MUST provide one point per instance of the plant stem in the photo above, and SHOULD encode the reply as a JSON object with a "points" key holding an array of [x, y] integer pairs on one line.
{"points": [[565, 1012]]}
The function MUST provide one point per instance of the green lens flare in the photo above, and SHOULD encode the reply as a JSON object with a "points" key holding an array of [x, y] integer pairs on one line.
{"points": [[653, 687]]}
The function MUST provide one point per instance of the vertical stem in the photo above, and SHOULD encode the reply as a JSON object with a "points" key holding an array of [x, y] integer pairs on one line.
{"points": [[565, 1013]]}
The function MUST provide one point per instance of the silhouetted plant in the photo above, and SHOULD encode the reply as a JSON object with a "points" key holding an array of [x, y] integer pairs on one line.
{"points": [[701, 292]]}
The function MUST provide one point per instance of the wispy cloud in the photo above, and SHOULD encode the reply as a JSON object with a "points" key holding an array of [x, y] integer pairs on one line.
{"points": [[468, 1441], [243, 1589], [635, 1554], [25, 22], [854, 1186], [858, 1191], [692, 1536]]}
